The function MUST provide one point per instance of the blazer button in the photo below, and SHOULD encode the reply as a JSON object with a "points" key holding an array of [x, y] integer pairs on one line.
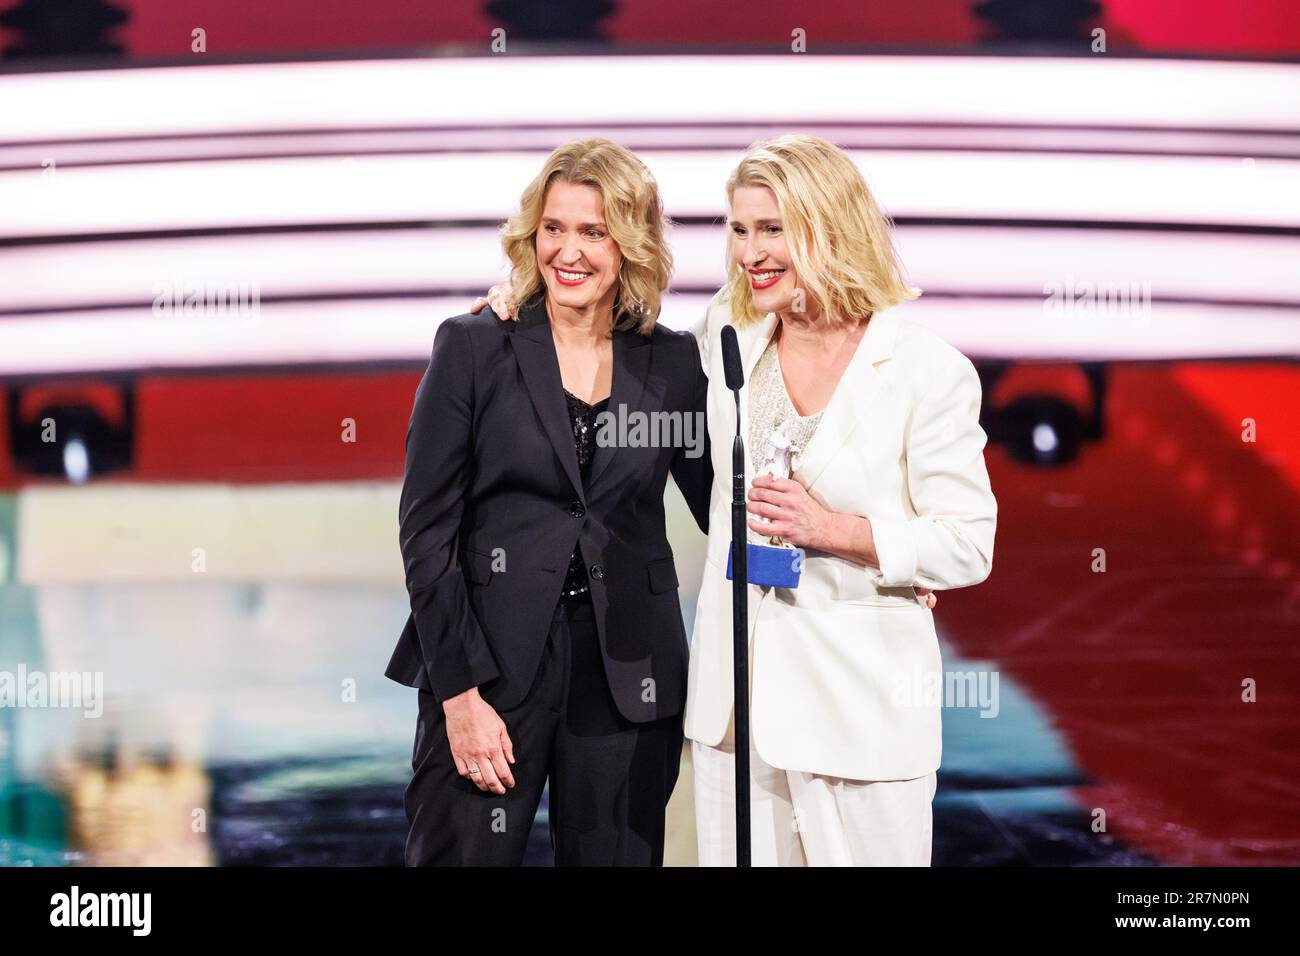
{"points": [[576, 509], [597, 572]]}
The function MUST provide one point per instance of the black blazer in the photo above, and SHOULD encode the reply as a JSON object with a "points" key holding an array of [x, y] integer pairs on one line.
{"points": [[490, 464]]}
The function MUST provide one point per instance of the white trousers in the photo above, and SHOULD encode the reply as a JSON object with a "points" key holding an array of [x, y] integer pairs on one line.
{"points": [[805, 819]]}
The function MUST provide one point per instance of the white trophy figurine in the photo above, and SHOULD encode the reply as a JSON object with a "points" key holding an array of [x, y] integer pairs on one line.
{"points": [[780, 461]]}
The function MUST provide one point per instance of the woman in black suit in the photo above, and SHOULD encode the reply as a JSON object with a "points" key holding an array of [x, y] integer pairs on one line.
{"points": [[545, 636]]}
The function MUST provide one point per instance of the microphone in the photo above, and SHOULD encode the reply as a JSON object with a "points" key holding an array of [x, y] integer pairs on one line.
{"points": [[731, 368], [734, 375]]}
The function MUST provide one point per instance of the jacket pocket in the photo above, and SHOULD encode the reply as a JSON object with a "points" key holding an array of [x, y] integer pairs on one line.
{"points": [[663, 575], [855, 584], [477, 567]]}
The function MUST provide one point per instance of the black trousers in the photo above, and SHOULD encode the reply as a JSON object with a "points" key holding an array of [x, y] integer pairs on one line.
{"points": [[610, 779]]}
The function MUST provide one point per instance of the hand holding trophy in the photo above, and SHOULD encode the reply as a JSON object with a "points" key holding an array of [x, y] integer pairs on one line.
{"points": [[775, 564], [780, 461]]}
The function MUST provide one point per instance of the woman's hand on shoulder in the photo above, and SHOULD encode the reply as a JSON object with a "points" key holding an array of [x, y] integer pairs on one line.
{"points": [[499, 298]]}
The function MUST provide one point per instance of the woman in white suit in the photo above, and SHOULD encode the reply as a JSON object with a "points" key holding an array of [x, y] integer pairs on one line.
{"points": [[888, 496]]}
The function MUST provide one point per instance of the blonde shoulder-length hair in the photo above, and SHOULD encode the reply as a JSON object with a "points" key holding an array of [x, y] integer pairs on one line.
{"points": [[634, 213], [841, 244]]}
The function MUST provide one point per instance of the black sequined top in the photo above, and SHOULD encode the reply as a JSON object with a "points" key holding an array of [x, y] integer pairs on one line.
{"points": [[583, 417]]}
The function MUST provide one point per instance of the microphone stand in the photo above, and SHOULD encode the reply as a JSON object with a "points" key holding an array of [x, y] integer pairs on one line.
{"points": [[740, 638]]}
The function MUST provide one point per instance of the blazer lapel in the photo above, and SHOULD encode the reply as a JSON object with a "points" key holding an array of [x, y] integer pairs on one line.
{"points": [[752, 341], [632, 352], [534, 350], [852, 398]]}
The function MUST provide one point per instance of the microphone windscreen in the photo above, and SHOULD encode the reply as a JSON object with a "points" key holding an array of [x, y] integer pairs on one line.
{"points": [[731, 368]]}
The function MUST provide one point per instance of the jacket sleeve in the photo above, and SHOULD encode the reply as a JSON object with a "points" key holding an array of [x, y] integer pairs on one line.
{"points": [[950, 542], [439, 450], [692, 465]]}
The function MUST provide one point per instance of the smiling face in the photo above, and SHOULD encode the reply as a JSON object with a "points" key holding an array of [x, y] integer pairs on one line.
{"points": [[758, 246], [578, 258]]}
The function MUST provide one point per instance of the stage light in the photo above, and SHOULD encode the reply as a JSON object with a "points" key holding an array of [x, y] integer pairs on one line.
{"points": [[395, 94], [1038, 430], [366, 331], [76, 431], [76, 461], [943, 260], [988, 186], [1045, 439]]}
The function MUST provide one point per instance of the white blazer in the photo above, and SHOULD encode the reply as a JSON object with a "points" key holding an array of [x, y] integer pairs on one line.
{"points": [[839, 664]]}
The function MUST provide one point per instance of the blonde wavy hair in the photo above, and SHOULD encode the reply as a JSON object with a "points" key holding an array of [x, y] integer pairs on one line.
{"points": [[634, 213], [841, 244]]}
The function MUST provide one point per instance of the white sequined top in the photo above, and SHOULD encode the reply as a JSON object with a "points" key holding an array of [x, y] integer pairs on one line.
{"points": [[770, 409]]}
